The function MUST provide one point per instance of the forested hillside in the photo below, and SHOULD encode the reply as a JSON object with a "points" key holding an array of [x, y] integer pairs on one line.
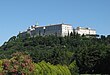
{"points": [[78, 53]]}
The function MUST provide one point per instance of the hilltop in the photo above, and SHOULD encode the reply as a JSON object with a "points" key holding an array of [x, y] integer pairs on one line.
{"points": [[90, 54]]}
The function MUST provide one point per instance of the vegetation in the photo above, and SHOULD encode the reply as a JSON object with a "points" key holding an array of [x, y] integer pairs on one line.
{"points": [[77, 53], [21, 64]]}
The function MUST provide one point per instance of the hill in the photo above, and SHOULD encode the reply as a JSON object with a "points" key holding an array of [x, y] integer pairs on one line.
{"points": [[91, 55]]}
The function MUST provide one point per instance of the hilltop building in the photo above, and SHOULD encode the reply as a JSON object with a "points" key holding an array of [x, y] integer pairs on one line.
{"points": [[58, 30], [85, 31]]}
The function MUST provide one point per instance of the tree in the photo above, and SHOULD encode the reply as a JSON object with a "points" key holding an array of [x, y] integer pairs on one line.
{"points": [[73, 68], [19, 64]]}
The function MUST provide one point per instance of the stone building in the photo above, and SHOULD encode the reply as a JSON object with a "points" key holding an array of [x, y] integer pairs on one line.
{"points": [[85, 31], [56, 29]]}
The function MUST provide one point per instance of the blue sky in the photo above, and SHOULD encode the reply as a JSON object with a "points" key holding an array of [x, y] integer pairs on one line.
{"points": [[18, 15]]}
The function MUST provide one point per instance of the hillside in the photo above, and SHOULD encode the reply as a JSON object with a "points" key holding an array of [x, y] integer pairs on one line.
{"points": [[91, 55]]}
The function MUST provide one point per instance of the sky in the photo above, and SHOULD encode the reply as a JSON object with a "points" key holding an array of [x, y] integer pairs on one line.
{"points": [[18, 15]]}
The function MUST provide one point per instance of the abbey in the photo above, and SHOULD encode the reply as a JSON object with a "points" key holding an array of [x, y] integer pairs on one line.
{"points": [[57, 29]]}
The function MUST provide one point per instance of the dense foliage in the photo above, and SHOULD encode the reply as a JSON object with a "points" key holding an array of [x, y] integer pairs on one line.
{"points": [[87, 55], [21, 64]]}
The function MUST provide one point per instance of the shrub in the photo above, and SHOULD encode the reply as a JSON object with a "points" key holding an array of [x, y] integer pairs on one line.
{"points": [[19, 64]]}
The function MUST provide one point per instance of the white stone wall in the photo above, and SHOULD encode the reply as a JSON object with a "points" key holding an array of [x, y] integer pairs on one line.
{"points": [[85, 31], [92, 32], [59, 29], [66, 29]]}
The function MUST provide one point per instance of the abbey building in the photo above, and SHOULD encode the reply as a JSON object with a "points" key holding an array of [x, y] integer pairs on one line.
{"points": [[57, 29]]}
